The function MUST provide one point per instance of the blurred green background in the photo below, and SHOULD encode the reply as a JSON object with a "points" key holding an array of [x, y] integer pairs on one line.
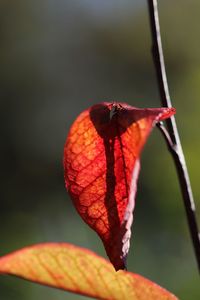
{"points": [[59, 57]]}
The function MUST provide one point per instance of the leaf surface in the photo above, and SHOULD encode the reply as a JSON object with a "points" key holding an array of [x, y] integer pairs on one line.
{"points": [[101, 165], [78, 270]]}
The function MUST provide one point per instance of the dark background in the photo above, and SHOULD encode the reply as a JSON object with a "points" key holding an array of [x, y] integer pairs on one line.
{"points": [[59, 57]]}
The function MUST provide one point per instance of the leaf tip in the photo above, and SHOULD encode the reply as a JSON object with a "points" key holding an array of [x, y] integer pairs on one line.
{"points": [[167, 112]]}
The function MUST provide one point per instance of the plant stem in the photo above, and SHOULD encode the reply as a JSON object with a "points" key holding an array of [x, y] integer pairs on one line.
{"points": [[171, 135]]}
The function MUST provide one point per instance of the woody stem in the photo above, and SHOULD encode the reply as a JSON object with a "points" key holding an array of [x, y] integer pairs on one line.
{"points": [[171, 134]]}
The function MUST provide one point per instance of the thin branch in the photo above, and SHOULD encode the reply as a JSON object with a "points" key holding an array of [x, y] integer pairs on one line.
{"points": [[171, 134]]}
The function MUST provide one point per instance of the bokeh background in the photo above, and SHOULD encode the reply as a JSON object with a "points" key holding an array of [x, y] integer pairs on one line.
{"points": [[58, 57]]}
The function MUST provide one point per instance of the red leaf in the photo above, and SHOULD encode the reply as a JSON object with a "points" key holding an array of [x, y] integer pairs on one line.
{"points": [[77, 270], [101, 163]]}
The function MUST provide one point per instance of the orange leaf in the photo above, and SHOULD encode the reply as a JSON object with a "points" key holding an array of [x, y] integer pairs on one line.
{"points": [[78, 270], [101, 162]]}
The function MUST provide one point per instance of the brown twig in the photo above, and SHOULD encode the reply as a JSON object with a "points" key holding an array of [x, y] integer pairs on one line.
{"points": [[171, 134]]}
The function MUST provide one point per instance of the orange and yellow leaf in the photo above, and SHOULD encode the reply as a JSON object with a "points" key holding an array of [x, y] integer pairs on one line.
{"points": [[78, 270]]}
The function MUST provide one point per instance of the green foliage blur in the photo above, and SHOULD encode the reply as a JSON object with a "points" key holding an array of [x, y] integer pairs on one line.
{"points": [[58, 58]]}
